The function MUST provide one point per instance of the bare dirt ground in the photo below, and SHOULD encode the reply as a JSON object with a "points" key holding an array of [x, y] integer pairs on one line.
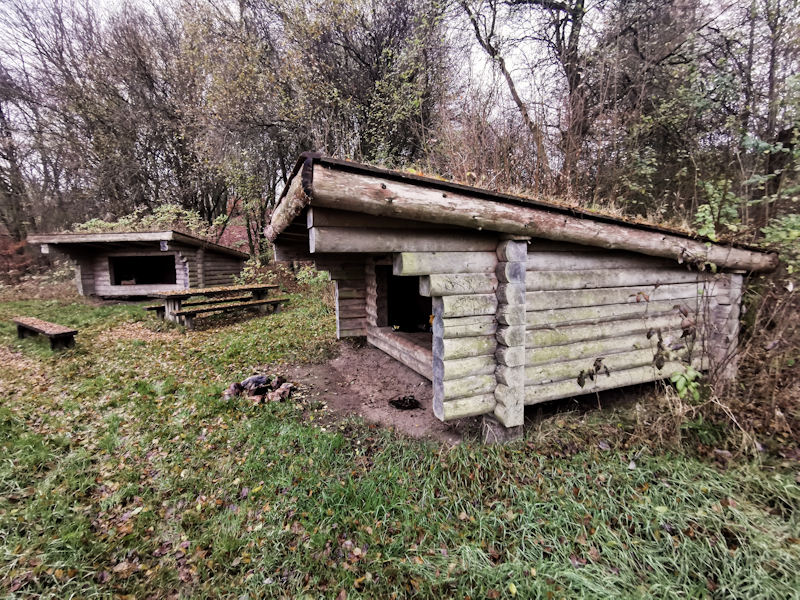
{"points": [[362, 380]]}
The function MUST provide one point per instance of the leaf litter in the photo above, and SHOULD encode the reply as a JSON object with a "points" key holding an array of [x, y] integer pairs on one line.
{"points": [[129, 474]]}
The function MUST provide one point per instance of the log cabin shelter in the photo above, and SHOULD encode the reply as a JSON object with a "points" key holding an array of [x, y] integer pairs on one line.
{"points": [[504, 302], [128, 264]]}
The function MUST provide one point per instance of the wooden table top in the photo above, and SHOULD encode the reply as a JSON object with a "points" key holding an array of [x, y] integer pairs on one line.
{"points": [[213, 291]]}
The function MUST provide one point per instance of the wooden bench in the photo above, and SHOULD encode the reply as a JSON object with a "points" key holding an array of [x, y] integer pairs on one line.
{"points": [[60, 336], [189, 315], [160, 310]]}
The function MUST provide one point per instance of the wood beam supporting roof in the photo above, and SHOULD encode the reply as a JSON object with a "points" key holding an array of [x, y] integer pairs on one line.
{"points": [[341, 185]]}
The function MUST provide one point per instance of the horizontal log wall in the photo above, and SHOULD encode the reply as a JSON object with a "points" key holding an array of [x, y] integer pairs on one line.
{"points": [[351, 307], [593, 320], [219, 269], [462, 287], [403, 348]]}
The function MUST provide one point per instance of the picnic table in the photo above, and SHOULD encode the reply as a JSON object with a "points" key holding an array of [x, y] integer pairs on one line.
{"points": [[173, 300]]}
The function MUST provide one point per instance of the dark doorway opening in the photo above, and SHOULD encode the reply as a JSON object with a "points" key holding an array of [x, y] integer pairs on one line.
{"points": [[142, 270], [407, 310]]}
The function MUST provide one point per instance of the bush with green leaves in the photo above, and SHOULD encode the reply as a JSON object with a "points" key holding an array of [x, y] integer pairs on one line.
{"points": [[161, 218], [783, 234], [311, 277], [687, 381], [721, 212]]}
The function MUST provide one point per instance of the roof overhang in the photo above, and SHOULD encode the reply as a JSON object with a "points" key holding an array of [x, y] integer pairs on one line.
{"points": [[344, 185], [77, 239]]}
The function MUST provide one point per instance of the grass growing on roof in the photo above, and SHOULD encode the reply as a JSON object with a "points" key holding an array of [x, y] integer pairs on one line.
{"points": [[126, 473]]}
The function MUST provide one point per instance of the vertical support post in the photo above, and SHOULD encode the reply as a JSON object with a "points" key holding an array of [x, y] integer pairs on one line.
{"points": [[201, 268], [262, 295], [371, 294], [724, 332], [382, 300], [510, 354], [76, 264], [171, 305]]}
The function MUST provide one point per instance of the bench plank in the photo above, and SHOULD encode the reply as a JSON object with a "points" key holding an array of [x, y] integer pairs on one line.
{"points": [[190, 314], [59, 336]]}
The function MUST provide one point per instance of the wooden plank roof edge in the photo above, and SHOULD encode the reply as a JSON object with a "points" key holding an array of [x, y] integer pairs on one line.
{"points": [[134, 236], [307, 160]]}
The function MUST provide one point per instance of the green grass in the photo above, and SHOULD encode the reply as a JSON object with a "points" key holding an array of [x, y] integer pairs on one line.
{"points": [[124, 472]]}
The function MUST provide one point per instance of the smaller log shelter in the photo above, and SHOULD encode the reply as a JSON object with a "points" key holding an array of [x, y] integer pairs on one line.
{"points": [[502, 301], [140, 263]]}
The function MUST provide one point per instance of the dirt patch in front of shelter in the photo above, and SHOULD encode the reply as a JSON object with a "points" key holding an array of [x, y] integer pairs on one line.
{"points": [[362, 380]]}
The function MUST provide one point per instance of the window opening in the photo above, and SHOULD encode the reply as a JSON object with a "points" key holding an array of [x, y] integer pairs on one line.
{"points": [[407, 310], [142, 270]]}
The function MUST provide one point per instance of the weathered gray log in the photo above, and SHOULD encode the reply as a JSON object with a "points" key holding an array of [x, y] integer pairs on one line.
{"points": [[457, 284], [510, 272], [513, 377], [575, 298], [338, 261], [592, 349], [451, 389], [724, 345], [510, 353], [453, 348], [511, 335], [507, 395], [350, 293], [448, 307], [351, 302], [609, 278], [576, 261], [571, 369], [511, 314], [407, 342], [542, 245], [542, 338], [396, 351], [287, 252], [512, 251], [357, 323], [721, 288], [329, 217], [345, 291], [344, 239], [445, 370], [464, 407], [352, 284], [428, 263], [564, 389], [352, 313], [474, 326], [371, 295], [610, 312], [290, 207], [511, 356], [379, 196], [334, 274], [511, 293], [343, 333]]}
